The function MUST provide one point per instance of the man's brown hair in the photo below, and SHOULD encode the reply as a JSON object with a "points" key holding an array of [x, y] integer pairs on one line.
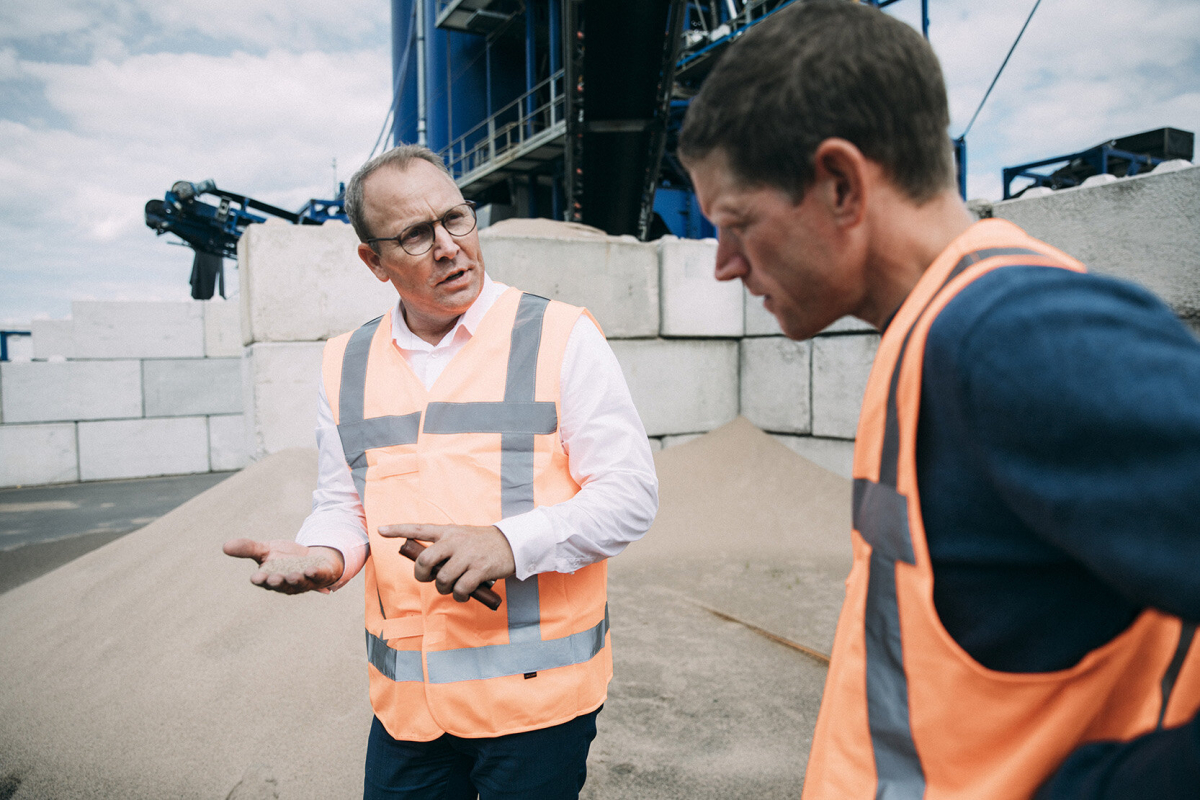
{"points": [[822, 69]]}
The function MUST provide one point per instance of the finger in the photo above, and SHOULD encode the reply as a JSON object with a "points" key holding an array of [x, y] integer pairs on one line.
{"points": [[449, 575], [246, 548], [468, 583], [413, 530], [429, 563]]}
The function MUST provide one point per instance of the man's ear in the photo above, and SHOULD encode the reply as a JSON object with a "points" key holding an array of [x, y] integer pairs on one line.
{"points": [[841, 172], [371, 259]]}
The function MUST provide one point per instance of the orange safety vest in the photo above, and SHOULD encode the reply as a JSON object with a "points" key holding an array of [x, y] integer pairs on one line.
{"points": [[482, 444], [906, 712]]}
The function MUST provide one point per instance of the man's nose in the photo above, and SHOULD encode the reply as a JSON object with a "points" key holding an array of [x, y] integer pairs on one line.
{"points": [[444, 245], [731, 262]]}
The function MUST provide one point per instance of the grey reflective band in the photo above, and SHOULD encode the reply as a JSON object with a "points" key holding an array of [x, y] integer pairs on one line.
{"points": [[499, 660], [357, 434], [1186, 634], [504, 417], [354, 372], [891, 430], [397, 665], [881, 517], [518, 418]]}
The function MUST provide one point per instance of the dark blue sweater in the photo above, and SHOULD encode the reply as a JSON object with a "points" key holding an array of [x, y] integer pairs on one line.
{"points": [[1058, 455]]}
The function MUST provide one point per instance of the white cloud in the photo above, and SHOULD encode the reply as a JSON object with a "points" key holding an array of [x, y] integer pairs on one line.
{"points": [[264, 123], [1085, 71]]}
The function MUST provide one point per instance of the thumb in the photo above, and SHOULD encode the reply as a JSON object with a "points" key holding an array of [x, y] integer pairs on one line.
{"points": [[246, 548]]}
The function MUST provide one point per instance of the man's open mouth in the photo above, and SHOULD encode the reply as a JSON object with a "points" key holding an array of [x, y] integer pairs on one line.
{"points": [[453, 276]]}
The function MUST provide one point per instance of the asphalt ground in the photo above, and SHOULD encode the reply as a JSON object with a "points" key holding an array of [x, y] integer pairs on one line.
{"points": [[44, 527]]}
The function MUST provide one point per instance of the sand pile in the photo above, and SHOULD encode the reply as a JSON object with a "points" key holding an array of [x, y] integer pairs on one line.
{"points": [[150, 668]]}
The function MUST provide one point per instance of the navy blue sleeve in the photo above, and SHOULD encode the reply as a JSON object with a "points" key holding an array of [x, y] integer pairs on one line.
{"points": [[1081, 396], [1084, 396]]}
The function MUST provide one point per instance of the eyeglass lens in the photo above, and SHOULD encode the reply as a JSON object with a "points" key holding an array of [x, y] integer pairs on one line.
{"points": [[458, 221]]}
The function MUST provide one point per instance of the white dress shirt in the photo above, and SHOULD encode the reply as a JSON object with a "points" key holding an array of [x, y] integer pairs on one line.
{"points": [[607, 451]]}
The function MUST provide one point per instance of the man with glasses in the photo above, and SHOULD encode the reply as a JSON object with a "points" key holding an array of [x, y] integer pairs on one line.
{"points": [[496, 427]]}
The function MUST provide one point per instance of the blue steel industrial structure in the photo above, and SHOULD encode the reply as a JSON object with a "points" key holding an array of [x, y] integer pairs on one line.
{"points": [[569, 109], [564, 108]]}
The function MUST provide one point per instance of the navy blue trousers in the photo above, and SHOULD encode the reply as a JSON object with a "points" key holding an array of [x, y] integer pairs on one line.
{"points": [[546, 764]]}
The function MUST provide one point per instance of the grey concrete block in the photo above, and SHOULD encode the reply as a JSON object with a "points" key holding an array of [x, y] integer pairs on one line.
{"points": [[190, 387], [1145, 229], [759, 321], [305, 283], [71, 390], [775, 392], [53, 337], [36, 454], [615, 277], [223, 328], [681, 385], [835, 455], [692, 301], [228, 442], [849, 325], [281, 380], [117, 329], [841, 365], [678, 439], [136, 448]]}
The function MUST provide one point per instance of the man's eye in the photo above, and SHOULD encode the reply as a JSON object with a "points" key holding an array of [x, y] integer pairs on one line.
{"points": [[413, 234], [453, 216]]}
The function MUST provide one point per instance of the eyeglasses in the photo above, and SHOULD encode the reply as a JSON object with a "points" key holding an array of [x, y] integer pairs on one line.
{"points": [[417, 239]]}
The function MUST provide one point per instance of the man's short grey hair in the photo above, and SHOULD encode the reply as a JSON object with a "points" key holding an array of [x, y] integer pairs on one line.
{"points": [[398, 158]]}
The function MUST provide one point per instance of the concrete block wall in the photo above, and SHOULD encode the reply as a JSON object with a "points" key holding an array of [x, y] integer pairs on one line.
{"points": [[125, 390], [696, 353], [1145, 229]]}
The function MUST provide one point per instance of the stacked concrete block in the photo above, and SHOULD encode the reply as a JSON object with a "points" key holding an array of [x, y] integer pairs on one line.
{"points": [[35, 454], [222, 328], [190, 387], [40, 391], [134, 448], [1145, 229], [835, 455], [305, 283], [615, 277], [137, 330], [692, 302], [759, 321], [775, 384], [53, 339], [280, 401], [228, 442], [840, 367], [681, 386]]}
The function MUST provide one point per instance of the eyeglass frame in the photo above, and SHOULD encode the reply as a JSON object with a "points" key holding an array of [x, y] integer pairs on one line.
{"points": [[470, 204]]}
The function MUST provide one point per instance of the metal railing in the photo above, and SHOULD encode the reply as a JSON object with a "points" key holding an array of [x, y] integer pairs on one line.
{"points": [[526, 123]]}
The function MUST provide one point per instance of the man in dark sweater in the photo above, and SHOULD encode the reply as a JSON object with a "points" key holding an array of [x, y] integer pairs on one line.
{"points": [[1020, 617]]}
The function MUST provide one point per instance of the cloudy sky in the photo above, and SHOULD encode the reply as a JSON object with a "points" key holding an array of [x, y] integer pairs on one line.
{"points": [[105, 103]]}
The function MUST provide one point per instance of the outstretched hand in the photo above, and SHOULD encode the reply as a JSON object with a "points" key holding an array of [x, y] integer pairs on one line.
{"points": [[459, 558], [287, 567]]}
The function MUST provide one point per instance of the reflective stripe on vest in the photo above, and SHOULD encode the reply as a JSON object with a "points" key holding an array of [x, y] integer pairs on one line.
{"points": [[880, 514], [518, 418]]}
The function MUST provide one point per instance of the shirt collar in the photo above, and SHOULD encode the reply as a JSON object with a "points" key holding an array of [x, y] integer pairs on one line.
{"points": [[407, 340]]}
